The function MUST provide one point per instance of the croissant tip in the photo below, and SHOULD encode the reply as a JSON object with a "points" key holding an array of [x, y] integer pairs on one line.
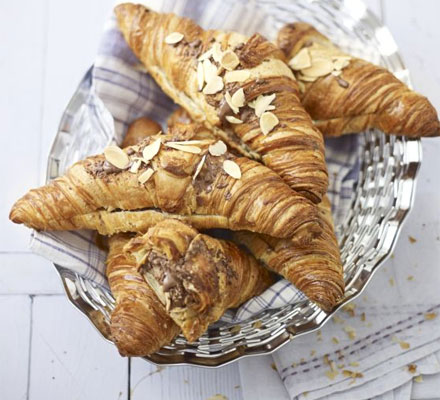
{"points": [[16, 216]]}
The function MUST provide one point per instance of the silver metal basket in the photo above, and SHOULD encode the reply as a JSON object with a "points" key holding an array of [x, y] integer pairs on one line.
{"points": [[382, 198]]}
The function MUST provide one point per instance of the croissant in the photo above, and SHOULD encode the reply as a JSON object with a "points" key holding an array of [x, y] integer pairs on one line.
{"points": [[344, 94], [181, 178], [239, 87], [139, 323], [196, 276], [139, 129], [315, 269]]}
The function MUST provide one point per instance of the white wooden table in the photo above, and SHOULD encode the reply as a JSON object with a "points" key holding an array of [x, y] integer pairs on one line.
{"points": [[47, 349]]}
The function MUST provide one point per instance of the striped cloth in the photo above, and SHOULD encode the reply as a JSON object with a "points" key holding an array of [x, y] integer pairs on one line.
{"points": [[116, 91]]}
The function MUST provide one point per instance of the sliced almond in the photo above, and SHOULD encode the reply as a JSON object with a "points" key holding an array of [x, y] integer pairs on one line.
{"points": [[209, 71], [301, 60], [185, 148], [233, 120], [340, 63], [320, 67], [215, 85], [238, 99], [302, 87], [135, 166], [268, 121], [262, 104], [307, 78], [174, 38], [229, 60], [237, 76], [189, 142], [217, 149], [232, 169], [217, 52], [336, 73], [117, 157], [205, 55], [200, 76], [151, 150], [142, 178], [199, 167], [228, 99]]}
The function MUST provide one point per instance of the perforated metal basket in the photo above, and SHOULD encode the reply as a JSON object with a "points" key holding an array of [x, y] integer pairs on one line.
{"points": [[382, 198]]}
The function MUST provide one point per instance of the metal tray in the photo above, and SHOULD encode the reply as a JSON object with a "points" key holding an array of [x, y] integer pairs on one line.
{"points": [[382, 198]]}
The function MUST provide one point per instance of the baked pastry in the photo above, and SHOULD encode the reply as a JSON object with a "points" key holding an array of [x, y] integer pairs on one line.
{"points": [[196, 276], [315, 269], [190, 178], [345, 94], [239, 87], [139, 323], [179, 116], [139, 129]]}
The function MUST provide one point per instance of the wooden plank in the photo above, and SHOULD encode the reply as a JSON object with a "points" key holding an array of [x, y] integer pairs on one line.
{"points": [[15, 312], [22, 25], [69, 359], [27, 273], [183, 383]]}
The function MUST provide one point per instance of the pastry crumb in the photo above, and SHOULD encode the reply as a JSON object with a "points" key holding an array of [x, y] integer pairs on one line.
{"points": [[349, 309], [350, 331], [418, 379], [391, 281], [404, 345], [430, 316], [412, 368], [335, 340], [412, 239], [363, 317], [217, 397], [274, 367], [410, 278]]}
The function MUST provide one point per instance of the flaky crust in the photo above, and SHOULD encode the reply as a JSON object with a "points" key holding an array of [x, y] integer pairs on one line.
{"points": [[196, 276], [294, 148], [374, 98], [139, 129], [315, 269], [259, 201], [139, 323]]}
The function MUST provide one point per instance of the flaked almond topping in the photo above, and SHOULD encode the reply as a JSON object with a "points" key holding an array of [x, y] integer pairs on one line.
{"points": [[229, 60], [262, 104], [174, 38], [199, 167], [232, 169], [302, 87], [340, 63], [151, 150], [268, 121], [217, 149], [185, 148], [209, 71], [237, 76], [217, 52], [301, 60], [233, 120], [307, 78], [336, 73], [205, 55], [135, 166], [228, 99], [238, 99], [200, 76], [215, 85], [117, 157], [142, 178], [320, 67], [189, 142]]}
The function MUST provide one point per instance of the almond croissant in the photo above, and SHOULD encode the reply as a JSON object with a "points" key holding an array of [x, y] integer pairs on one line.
{"points": [[239, 87], [344, 94], [139, 323], [182, 179], [196, 276], [315, 269]]}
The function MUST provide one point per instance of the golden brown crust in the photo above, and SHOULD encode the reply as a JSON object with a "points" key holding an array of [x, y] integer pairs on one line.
{"points": [[139, 323], [196, 276], [259, 201], [315, 269], [363, 96], [294, 148], [139, 129]]}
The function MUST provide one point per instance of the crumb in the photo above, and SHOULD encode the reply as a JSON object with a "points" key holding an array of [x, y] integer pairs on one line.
{"points": [[349, 309], [350, 331], [412, 368], [352, 374], [235, 329], [404, 345], [392, 256], [257, 324], [418, 379], [293, 365], [335, 340], [337, 319], [412, 239], [331, 374], [430, 316], [340, 366], [391, 281], [354, 364], [363, 318], [305, 394], [274, 367], [326, 360], [410, 278], [217, 397], [319, 334], [312, 353], [302, 360], [369, 324]]}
